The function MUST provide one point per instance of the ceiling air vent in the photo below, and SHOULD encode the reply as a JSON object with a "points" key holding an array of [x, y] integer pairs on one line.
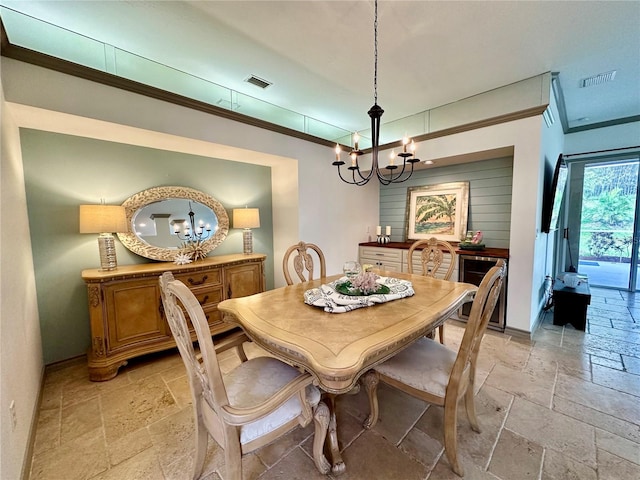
{"points": [[257, 81], [598, 79]]}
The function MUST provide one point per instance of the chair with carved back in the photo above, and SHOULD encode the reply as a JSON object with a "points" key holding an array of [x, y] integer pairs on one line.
{"points": [[303, 263], [436, 374], [254, 404], [434, 256]]}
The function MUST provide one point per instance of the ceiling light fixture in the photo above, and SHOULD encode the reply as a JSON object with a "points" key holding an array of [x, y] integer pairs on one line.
{"points": [[375, 112]]}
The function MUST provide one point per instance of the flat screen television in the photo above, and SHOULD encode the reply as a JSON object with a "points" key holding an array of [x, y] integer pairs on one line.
{"points": [[553, 193]]}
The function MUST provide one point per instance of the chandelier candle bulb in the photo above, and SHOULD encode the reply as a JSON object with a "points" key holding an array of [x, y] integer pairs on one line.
{"points": [[356, 139], [392, 157], [337, 152]]}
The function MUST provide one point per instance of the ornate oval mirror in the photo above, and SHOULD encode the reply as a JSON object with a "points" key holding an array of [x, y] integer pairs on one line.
{"points": [[161, 219]]}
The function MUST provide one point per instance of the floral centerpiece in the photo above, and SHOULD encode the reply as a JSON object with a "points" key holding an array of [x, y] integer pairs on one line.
{"points": [[363, 284], [366, 283]]}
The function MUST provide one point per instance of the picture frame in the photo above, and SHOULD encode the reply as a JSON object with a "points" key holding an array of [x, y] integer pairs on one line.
{"points": [[439, 211]]}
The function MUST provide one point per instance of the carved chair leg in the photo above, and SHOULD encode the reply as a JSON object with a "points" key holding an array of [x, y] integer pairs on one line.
{"points": [[321, 416], [241, 353], [233, 454], [370, 381], [451, 435], [470, 406], [202, 440], [441, 333]]}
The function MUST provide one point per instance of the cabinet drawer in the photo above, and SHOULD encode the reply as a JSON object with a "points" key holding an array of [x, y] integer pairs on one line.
{"points": [[213, 316], [382, 254], [196, 279], [208, 295]]}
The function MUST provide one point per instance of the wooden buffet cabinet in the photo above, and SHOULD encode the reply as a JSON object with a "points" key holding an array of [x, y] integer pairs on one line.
{"points": [[126, 313]]}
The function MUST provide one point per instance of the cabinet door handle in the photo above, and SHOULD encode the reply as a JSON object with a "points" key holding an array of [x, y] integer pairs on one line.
{"points": [[204, 300], [194, 282], [229, 292]]}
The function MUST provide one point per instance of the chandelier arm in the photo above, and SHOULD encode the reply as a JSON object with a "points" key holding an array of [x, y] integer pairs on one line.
{"points": [[354, 181]]}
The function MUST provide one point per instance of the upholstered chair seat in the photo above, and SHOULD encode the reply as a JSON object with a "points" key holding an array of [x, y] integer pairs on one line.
{"points": [[252, 405], [425, 365], [439, 375], [254, 382]]}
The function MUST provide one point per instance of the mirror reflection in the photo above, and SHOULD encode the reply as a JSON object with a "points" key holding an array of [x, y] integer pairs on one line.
{"points": [[169, 223], [162, 219]]}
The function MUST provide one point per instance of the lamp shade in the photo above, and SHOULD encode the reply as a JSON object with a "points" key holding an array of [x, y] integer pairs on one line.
{"points": [[246, 218], [103, 219]]}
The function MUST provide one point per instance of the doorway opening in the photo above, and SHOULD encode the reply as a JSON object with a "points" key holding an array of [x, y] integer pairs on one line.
{"points": [[604, 210]]}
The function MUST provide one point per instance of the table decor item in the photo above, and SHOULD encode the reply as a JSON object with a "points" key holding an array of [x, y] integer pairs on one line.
{"points": [[329, 297], [363, 284], [471, 246], [182, 259], [351, 269], [473, 241]]}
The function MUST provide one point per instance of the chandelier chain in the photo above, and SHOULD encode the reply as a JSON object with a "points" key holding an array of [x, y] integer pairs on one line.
{"points": [[375, 53]]}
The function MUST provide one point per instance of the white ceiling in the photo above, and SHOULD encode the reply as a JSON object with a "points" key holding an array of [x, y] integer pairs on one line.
{"points": [[319, 54]]}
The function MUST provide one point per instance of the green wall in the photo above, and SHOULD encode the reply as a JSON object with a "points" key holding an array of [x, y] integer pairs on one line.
{"points": [[490, 194], [62, 172]]}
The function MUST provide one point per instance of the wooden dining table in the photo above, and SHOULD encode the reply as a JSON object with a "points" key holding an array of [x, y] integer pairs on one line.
{"points": [[338, 348]]}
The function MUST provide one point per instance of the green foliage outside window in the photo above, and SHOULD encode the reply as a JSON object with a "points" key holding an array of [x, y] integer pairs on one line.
{"points": [[608, 211]]}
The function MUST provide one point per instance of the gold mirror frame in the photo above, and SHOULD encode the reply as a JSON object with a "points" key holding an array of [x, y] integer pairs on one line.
{"points": [[140, 200]]}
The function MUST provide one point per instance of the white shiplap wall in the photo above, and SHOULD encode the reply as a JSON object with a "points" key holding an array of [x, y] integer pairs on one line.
{"points": [[490, 185]]}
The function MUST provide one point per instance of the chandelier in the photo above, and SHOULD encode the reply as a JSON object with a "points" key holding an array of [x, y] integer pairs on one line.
{"points": [[191, 232], [375, 113]]}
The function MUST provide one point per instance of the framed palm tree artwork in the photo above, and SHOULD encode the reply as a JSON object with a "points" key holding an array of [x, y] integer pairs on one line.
{"points": [[438, 211]]}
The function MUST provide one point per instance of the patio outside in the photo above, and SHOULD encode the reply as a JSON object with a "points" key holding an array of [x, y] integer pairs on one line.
{"points": [[607, 220]]}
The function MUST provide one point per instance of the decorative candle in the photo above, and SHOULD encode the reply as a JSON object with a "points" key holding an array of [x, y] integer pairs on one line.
{"points": [[388, 230], [378, 230]]}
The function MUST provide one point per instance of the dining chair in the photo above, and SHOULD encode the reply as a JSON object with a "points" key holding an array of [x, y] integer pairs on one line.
{"points": [[254, 404], [439, 375], [303, 262], [433, 258]]}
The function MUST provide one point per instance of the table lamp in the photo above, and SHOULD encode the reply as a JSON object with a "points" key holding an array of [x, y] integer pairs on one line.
{"points": [[246, 218], [105, 220]]}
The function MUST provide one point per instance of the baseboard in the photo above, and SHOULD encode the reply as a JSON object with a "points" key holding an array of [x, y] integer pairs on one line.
{"points": [[35, 417], [517, 334]]}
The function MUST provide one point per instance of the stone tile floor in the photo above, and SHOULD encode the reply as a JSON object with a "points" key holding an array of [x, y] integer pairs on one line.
{"points": [[563, 406]]}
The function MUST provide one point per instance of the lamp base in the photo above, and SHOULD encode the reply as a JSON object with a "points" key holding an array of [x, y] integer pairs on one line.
{"points": [[107, 246], [247, 241]]}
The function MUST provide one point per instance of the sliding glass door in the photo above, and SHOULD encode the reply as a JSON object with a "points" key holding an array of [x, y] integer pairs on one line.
{"points": [[609, 232]]}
